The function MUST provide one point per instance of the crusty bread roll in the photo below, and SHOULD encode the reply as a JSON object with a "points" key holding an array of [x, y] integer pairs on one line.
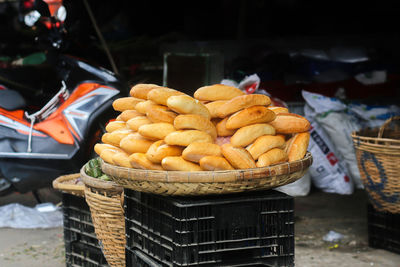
{"points": [[238, 157], [140, 161], [98, 148], [136, 122], [297, 146], [144, 106], [278, 110], [115, 137], [242, 102], [142, 89], [288, 123], [215, 163], [213, 107], [159, 150], [118, 118], [217, 92], [223, 140], [222, 130], [186, 137], [115, 125], [195, 122], [179, 164], [273, 156], [185, 104], [129, 114], [251, 115], [107, 155], [160, 95], [135, 143], [126, 103], [195, 151], [121, 159], [161, 115], [156, 131], [247, 134], [264, 143]]}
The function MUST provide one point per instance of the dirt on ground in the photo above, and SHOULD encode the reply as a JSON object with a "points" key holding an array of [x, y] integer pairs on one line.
{"points": [[315, 215]]}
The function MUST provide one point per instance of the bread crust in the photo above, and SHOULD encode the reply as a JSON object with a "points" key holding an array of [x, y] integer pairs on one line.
{"points": [[179, 164], [115, 125], [136, 122], [126, 103], [222, 130], [156, 131], [159, 150], [289, 123], [248, 116], [273, 156], [217, 92], [195, 122], [215, 163], [121, 159], [144, 106], [241, 102], [195, 151], [161, 115], [248, 134], [186, 137], [142, 89], [278, 110], [98, 148], [160, 95], [135, 143], [115, 137], [184, 104], [264, 143], [297, 148], [140, 161], [126, 115], [213, 107], [238, 157]]}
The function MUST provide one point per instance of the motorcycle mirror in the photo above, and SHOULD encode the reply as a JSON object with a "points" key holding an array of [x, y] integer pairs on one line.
{"points": [[31, 18], [61, 13]]}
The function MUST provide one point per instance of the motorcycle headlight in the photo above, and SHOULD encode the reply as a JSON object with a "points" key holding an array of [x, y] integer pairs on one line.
{"points": [[61, 13], [31, 18]]}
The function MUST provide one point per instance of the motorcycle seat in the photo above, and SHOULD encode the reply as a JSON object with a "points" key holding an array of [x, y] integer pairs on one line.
{"points": [[11, 100]]}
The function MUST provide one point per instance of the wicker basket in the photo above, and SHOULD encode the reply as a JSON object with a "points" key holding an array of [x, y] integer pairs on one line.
{"points": [[378, 158], [105, 200], [70, 184], [207, 182]]}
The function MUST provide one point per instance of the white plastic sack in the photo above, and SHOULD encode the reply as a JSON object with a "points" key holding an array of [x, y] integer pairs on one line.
{"points": [[44, 215], [299, 188]]}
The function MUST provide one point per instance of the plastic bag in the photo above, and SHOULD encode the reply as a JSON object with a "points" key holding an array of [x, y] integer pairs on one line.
{"points": [[45, 215], [299, 188]]}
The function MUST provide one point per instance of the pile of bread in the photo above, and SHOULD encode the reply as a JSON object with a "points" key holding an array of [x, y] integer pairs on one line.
{"points": [[219, 128]]}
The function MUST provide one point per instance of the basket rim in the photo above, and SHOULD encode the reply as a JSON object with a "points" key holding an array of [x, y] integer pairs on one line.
{"points": [[98, 183], [207, 176], [59, 185]]}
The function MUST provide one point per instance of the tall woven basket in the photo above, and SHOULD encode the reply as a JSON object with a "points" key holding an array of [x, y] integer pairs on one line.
{"points": [[105, 200], [378, 158]]}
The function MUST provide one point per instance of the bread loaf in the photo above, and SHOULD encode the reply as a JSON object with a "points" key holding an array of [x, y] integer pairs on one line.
{"points": [[141, 90], [107, 155], [213, 107], [115, 137], [215, 163], [248, 134], [278, 110], [98, 148], [222, 130], [156, 131], [217, 92], [179, 164], [126, 103], [144, 106], [242, 102], [297, 146], [129, 114], [140, 161], [135, 143], [273, 156], [264, 143], [160, 95], [115, 125], [288, 123], [121, 159], [195, 122], [248, 116], [159, 150], [136, 122], [238, 157], [195, 151], [186, 137], [161, 115], [185, 104]]}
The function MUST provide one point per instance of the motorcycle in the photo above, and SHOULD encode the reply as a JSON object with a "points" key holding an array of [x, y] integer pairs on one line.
{"points": [[49, 128]]}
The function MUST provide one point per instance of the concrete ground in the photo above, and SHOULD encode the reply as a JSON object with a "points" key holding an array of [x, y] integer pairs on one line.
{"points": [[316, 214]]}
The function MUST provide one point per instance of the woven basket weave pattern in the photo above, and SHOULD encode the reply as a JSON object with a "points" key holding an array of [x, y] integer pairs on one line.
{"points": [[63, 183]]}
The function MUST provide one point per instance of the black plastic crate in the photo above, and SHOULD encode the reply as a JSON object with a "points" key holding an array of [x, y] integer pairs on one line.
{"points": [[82, 247], [383, 230], [227, 230]]}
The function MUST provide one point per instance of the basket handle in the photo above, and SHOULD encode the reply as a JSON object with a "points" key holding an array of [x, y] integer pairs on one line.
{"points": [[382, 128]]}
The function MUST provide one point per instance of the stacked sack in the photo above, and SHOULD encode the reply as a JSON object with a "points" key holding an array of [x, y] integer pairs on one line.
{"points": [[220, 128]]}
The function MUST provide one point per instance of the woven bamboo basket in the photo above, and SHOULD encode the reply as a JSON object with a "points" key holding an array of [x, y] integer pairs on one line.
{"points": [[105, 200], [378, 159], [207, 182], [70, 184]]}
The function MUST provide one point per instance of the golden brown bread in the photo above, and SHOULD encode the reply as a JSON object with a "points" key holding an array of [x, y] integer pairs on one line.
{"points": [[161, 115], [134, 143], [186, 137], [115, 125], [242, 102], [213, 107], [121, 159], [98, 148], [115, 137], [107, 155], [278, 110], [264, 143], [126, 103], [195, 151], [251, 115], [159, 150], [179, 164], [222, 130], [217, 92], [160, 95], [297, 146], [184, 104], [144, 106], [118, 118], [195, 122], [288, 123], [238, 157], [248, 134], [273, 156], [141, 90], [140, 161], [156, 131], [136, 122], [129, 114], [215, 163]]}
